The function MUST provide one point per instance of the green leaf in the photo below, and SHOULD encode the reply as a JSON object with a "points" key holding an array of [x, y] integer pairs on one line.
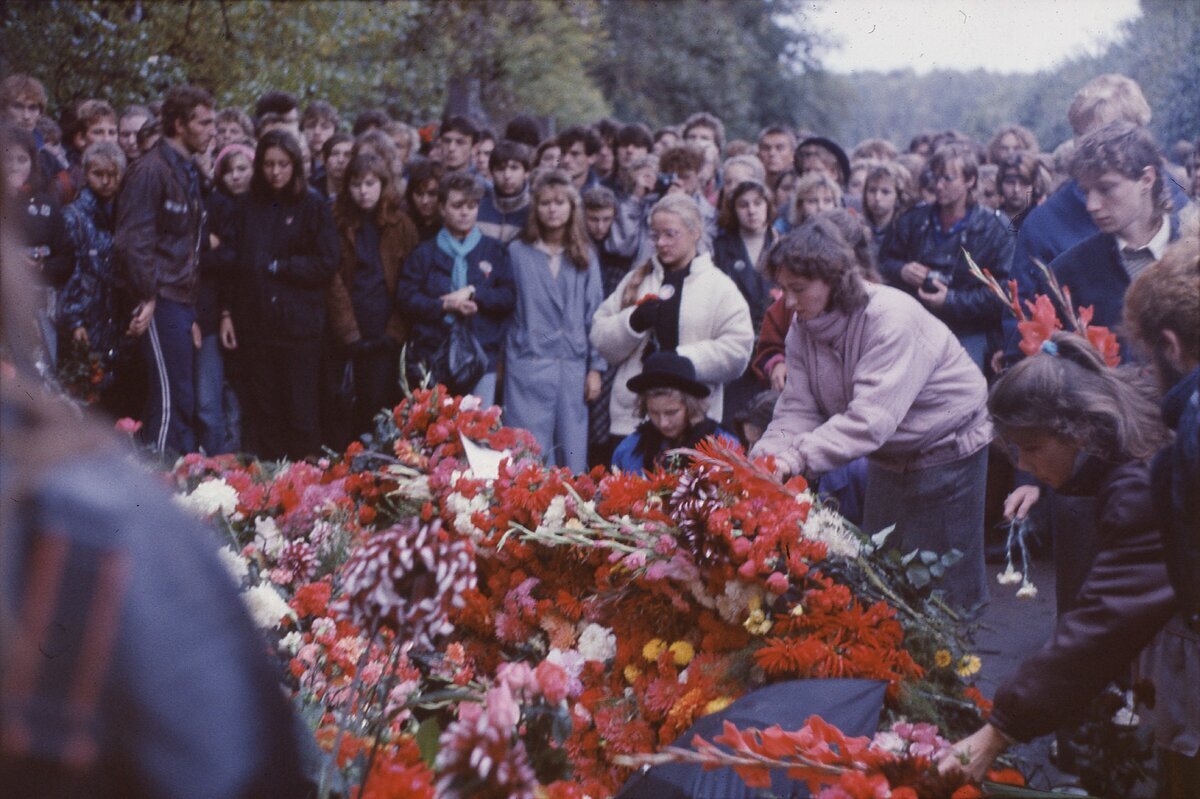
{"points": [[427, 740], [918, 575], [882, 536], [951, 557]]}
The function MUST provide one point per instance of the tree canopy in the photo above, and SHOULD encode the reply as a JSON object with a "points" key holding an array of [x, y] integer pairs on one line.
{"points": [[750, 62], [565, 60]]}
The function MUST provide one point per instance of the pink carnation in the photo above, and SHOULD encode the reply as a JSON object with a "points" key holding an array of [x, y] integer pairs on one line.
{"points": [[553, 681]]}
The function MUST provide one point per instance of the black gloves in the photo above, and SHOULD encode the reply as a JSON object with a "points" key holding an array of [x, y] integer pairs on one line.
{"points": [[645, 315]]}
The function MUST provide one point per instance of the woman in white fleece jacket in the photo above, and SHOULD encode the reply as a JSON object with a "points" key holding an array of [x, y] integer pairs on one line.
{"points": [[870, 373], [678, 300]]}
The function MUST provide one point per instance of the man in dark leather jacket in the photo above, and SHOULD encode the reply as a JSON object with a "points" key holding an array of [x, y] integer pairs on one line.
{"points": [[159, 219], [923, 254]]}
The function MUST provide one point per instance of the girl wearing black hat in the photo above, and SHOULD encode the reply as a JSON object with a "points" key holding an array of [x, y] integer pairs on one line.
{"points": [[672, 403]]}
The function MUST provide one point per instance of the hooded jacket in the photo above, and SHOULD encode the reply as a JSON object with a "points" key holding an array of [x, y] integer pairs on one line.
{"points": [[90, 298]]}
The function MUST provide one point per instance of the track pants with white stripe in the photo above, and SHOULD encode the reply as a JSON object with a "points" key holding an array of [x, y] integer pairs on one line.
{"points": [[169, 418]]}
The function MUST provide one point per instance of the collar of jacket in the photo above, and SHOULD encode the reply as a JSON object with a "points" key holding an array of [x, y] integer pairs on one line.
{"points": [[388, 215], [700, 264], [510, 205], [829, 328], [1090, 474], [99, 212], [1175, 402]]}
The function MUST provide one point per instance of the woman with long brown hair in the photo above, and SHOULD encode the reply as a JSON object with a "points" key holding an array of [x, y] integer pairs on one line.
{"points": [[551, 370], [1081, 428], [376, 236]]}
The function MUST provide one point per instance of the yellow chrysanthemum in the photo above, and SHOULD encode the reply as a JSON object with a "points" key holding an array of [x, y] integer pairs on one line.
{"points": [[653, 648], [968, 665], [632, 672], [757, 623], [942, 659], [717, 705], [683, 652]]}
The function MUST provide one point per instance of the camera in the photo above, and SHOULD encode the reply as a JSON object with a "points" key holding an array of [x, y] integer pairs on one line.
{"points": [[663, 183], [928, 286]]}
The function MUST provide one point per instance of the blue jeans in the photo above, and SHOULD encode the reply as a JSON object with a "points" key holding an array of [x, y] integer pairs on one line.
{"points": [[209, 380], [485, 389], [169, 418], [936, 508]]}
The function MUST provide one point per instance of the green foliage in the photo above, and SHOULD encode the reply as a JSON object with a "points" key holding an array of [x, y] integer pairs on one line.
{"points": [[127, 52], [669, 58], [527, 54]]}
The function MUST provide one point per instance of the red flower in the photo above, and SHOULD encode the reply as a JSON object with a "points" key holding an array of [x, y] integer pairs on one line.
{"points": [[127, 425], [312, 599], [1041, 326], [1007, 776], [553, 680]]}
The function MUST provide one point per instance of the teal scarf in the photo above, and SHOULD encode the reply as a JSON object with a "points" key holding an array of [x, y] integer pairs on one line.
{"points": [[458, 250]]}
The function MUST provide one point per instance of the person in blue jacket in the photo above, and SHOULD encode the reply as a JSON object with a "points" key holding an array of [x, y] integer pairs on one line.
{"points": [[1063, 221], [458, 276], [672, 402], [1120, 172], [551, 369]]}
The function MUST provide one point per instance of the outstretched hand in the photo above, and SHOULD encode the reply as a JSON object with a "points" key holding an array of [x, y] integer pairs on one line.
{"points": [[973, 755]]}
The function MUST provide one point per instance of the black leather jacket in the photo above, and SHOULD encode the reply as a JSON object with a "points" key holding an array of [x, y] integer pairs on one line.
{"points": [[970, 307]]}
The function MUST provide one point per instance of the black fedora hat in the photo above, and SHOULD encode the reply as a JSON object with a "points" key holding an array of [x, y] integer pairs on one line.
{"points": [[668, 369], [825, 144]]}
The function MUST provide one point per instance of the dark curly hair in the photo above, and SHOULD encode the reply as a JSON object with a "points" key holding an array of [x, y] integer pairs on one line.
{"points": [[817, 250]]}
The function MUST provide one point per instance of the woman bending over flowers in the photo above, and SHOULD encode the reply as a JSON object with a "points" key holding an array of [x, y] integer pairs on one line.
{"points": [[1080, 428], [870, 373]]}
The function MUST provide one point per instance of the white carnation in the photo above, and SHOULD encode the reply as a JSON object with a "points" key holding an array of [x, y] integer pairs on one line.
{"points": [[463, 508], [266, 606], [211, 497], [597, 643], [828, 527], [555, 516], [291, 642], [1009, 576], [233, 563], [267, 536]]}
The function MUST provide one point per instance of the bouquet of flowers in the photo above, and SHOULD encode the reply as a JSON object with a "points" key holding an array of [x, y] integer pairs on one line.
{"points": [[535, 632]]}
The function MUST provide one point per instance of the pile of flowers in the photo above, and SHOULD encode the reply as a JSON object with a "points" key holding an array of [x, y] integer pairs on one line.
{"points": [[534, 633]]}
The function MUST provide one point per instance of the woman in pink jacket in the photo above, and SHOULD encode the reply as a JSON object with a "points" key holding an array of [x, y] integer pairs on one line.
{"points": [[870, 373]]}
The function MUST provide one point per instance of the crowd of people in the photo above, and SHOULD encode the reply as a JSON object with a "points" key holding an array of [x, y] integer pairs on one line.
{"points": [[269, 284]]}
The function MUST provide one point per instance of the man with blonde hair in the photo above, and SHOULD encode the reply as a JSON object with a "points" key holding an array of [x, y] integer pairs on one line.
{"points": [[1063, 221]]}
